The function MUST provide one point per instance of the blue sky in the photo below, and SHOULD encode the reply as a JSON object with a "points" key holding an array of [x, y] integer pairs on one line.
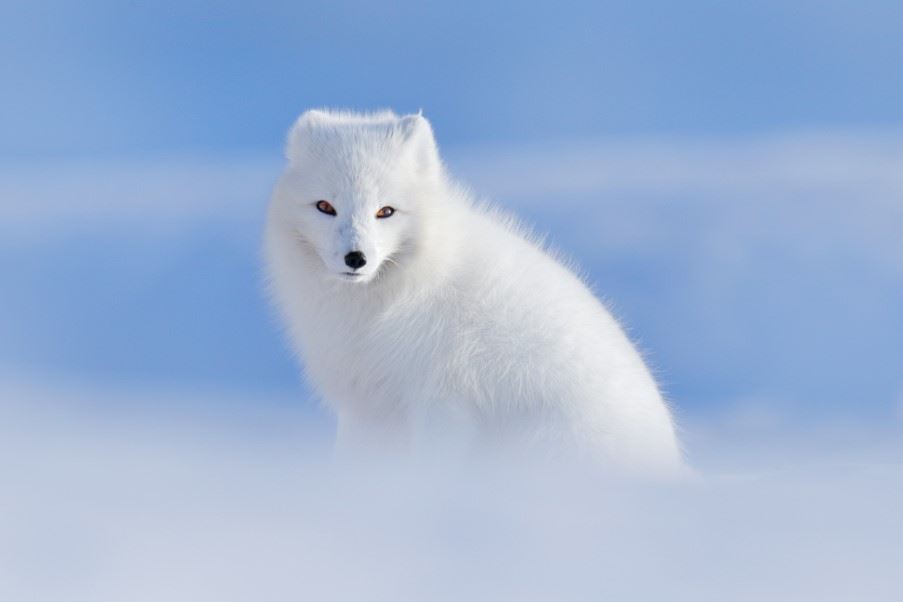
{"points": [[113, 78], [725, 170]]}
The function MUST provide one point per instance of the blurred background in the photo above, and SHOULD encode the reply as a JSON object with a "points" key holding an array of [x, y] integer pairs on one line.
{"points": [[729, 175]]}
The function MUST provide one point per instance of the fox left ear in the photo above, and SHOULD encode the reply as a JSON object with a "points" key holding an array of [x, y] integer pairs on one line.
{"points": [[418, 139]]}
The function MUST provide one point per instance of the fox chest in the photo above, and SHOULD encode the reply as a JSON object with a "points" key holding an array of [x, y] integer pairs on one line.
{"points": [[379, 359]]}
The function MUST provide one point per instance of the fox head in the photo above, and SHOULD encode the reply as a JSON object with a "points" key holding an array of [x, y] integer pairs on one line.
{"points": [[354, 189]]}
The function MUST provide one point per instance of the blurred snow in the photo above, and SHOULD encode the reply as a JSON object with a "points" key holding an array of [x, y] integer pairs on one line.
{"points": [[241, 501]]}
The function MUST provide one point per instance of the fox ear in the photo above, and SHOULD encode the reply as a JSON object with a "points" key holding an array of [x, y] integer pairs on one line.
{"points": [[418, 139], [300, 130]]}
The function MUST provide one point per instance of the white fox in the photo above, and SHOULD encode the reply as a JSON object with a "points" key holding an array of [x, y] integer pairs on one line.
{"points": [[414, 310]]}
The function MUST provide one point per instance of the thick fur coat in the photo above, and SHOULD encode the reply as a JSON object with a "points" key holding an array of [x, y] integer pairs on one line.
{"points": [[421, 316]]}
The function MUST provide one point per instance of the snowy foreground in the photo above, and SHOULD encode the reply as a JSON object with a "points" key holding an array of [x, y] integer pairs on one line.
{"points": [[178, 504]]}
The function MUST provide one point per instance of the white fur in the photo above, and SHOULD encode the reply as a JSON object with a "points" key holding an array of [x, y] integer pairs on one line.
{"points": [[461, 322]]}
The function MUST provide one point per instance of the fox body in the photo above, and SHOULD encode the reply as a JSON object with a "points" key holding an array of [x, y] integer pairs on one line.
{"points": [[416, 311]]}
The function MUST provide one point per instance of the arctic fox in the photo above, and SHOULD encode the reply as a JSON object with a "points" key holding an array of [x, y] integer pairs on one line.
{"points": [[413, 308]]}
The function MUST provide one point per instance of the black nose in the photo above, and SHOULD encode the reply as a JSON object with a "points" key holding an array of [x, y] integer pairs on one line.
{"points": [[355, 260]]}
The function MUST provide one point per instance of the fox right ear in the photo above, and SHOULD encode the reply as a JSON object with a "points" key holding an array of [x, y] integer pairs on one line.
{"points": [[302, 128], [417, 134]]}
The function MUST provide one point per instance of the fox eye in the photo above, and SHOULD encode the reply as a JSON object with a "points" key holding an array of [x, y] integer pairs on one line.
{"points": [[385, 212], [325, 207]]}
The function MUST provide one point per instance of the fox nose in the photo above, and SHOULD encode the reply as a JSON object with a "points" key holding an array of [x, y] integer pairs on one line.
{"points": [[355, 260]]}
